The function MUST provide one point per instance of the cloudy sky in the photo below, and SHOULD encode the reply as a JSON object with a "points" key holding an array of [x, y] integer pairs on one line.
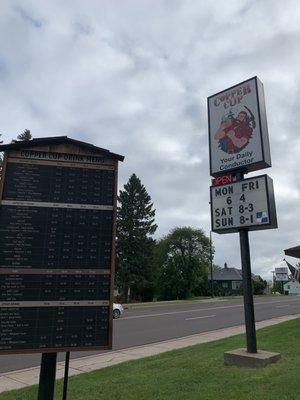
{"points": [[133, 76]]}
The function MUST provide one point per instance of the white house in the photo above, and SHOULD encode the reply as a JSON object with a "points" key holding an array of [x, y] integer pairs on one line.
{"points": [[292, 287]]}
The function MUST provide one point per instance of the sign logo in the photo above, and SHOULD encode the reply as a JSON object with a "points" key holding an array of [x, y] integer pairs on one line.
{"points": [[235, 132], [262, 217]]}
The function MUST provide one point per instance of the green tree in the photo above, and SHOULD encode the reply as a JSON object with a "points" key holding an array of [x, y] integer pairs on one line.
{"points": [[278, 287], [25, 135], [135, 246], [216, 267], [259, 286], [183, 257]]}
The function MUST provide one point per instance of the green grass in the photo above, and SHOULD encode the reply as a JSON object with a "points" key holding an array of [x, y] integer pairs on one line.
{"points": [[166, 302], [193, 373], [189, 300]]}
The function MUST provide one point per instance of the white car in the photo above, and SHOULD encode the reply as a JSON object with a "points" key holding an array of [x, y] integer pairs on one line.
{"points": [[117, 310]]}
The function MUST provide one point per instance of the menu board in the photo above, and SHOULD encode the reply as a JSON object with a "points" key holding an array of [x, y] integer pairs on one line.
{"points": [[56, 247]]}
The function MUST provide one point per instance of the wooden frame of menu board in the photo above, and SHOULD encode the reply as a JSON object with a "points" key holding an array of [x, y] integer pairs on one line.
{"points": [[2, 175], [37, 163]]}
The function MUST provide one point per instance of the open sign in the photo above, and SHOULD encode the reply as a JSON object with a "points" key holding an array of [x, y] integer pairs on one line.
{"points": [[222, 180]]}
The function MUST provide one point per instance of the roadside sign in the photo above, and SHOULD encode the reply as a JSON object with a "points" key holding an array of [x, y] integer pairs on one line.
{"points": [[57, 241], [239, 143], [247, 204], [281, 274], [238, 132]]}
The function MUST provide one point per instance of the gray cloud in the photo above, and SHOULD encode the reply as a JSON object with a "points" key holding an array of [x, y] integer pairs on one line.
{"points": [[134, 76], [23, 14]]}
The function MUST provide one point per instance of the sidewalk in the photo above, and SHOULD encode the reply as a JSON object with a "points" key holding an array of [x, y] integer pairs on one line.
{"points": [[30, 376]]}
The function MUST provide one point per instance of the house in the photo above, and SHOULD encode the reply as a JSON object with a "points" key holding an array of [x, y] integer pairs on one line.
{"points": [[291, 287], [229, 281]]}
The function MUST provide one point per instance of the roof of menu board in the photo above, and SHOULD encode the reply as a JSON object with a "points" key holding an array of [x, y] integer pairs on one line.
{"points": [[55, 140]]}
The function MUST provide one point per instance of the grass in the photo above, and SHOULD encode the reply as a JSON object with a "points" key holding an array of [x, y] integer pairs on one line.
{"points": [[165, 302], [190, 300], [193, 373]]}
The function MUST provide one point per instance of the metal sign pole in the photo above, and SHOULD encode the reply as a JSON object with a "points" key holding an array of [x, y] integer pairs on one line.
{"points": [[247, 289], [211, 267], [66, 376], [247, 285], [47, 376]]}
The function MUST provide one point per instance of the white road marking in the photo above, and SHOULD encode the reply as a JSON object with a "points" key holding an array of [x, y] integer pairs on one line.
{"points": [[178, 312], [202, 309], [286, 305], [205, 316]]}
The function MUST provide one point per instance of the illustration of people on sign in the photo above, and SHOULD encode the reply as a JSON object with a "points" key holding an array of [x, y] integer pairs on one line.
{"points": [[234, 133]]}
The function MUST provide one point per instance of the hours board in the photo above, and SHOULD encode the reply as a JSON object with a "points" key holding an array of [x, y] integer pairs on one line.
{"points": [[247, 204]]}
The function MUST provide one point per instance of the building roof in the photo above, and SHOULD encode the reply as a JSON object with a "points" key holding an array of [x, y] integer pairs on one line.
{"points": [[292, 282], [230, 274], [55, 140], [227, 274]]}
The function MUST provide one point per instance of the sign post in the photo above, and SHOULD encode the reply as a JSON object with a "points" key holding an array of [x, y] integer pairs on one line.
{"points": [[47, 376], [211, 266], [247, 287], [57, 254], [66, 376], [238, 143]]}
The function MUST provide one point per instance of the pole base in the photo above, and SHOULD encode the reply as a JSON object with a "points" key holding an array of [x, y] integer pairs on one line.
{"points": [[241, 358]]}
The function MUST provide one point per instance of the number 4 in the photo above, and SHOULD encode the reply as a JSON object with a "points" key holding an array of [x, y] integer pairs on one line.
{"points": [[242, 198]]}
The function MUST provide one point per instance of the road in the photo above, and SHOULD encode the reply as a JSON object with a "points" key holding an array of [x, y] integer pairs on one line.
{"points": [[156, 323]]}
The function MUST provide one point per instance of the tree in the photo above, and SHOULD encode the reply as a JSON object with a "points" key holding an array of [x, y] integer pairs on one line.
{"points": [[278, 287], [135, 247], [184, 259], [216, 268], [259, 286], [25, 135]]}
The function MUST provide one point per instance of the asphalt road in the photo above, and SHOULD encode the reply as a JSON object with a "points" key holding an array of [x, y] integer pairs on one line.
{"points": [[153, 324]]}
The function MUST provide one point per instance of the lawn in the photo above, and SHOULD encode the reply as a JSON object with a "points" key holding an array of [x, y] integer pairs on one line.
{"points": [[186, 301], [193, 373], [167, 302]]}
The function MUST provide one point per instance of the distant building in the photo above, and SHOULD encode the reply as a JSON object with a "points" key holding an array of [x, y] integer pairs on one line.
{"points": [[230, 280], [291, 287]]}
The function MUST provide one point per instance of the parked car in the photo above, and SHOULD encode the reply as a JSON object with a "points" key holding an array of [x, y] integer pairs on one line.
{"points": [[117, 310]]}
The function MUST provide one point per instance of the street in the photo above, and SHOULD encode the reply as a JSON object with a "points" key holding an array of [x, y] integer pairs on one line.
{"points": [[157, 323]]}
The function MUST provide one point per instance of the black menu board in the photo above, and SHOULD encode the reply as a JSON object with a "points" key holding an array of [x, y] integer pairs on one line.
{"points": [[56, 250]]}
